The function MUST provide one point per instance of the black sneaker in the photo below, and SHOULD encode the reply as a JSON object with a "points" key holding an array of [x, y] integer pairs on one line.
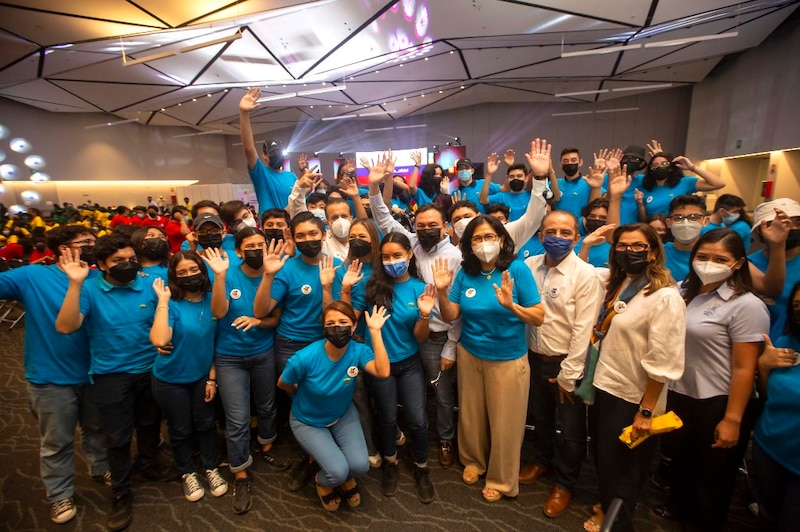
{"points": [[241, 496], [273, 462], [119, 517], [155, 472], [424, 485], [301, 474], [389, 478]]}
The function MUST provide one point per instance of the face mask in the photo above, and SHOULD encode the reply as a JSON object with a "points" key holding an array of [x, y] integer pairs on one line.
{"points": [[276, 161], [338, 335], [793, 239], [556, 247], [631, 167], [486, 251], [273, 234], [186, 219], [711, 272], [248, 222], [395, 269], [730, 218], [633, 262], [661, 174], [460, 226], [592, 225], [464, 175], [154, 248], [87, 254], [140, 215], [516, 185], [369, 211], [254, 258], [351, 173], [210, 241], [360, 248], [191, 283], [429, 237], [151, 214], [686, 232], [310, 248], [124, 272], [319, 213], [340, 228], [569, 169], [40, 247]]}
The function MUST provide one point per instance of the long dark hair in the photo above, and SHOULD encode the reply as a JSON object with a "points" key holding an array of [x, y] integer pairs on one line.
{"points": [[427, 182], [172, 278], [729, 201], [471, 264], [740, 281], [374, 257], [792, 328], [380, 287], [676, 174], [138, 237], [656, 272]]}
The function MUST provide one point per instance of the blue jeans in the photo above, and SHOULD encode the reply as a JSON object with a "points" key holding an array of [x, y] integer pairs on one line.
{"points": [[237, 378], [284, 349], [443, 389], [406, 381], [340, 449], [567, 454], [125, 402], [59, 409], [188, 414]]}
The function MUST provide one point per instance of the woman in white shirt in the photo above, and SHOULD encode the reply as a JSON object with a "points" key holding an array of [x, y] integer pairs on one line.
{"points": [[641, 350]]}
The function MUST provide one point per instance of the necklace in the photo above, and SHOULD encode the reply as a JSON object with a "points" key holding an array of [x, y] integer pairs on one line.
{"points": [[488, 274], [202, 308]]}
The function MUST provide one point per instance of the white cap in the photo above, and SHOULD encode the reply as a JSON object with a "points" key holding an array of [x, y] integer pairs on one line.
{"points": [[766, 211]]}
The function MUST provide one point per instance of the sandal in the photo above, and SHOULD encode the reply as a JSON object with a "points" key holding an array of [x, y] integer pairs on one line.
{"points": [[470, 475], [491, 495], [597, 509], [330, 501], [352, 495], [594, 523]]}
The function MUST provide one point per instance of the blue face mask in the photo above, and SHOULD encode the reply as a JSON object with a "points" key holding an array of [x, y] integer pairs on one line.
{"points": [[556, 247], [730, 218], [464, 175], [395, 269]]}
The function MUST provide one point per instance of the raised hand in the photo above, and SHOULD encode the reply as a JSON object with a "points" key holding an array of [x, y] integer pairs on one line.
{"points": [[539, 157], [377, 318], [353, 274], [613, 165], [638, 195], [250, 100], [594, 177], [377, 169], [615, 154], [492, 163], [349, 187], [618, 182], [302, 162], [73, 266], [598, 236], [654, 147], [683, 162], [327, 271], [245, 323], [509, 157], [600, 158], [274, 258], [310, 178], [426, 300], [442, 273], [416, 157], [390, 162], [217, 260], [777, 230], [457, 196], [505, 292], [162, 291]]}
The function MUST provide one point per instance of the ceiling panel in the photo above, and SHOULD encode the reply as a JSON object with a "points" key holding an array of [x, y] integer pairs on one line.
{"points": [[112, 10], [675, 9], [110, 96], [484, 62], [47, 93], [693, 72], [12, 48], [20, 72], [632, 12]]}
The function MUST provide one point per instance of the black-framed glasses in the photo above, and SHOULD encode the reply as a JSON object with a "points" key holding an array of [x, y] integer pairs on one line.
{"points": [[636, 246], [694, 217], [656, 166]]}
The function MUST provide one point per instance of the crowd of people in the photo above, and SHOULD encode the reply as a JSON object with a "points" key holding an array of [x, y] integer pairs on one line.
{"points": [[586, 303]]}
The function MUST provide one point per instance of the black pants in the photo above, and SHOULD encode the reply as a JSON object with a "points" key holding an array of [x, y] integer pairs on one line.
{"points": [[622, 472]]}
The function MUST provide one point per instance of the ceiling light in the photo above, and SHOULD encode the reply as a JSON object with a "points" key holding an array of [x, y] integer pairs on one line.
{"points": [[276, 97], [201, 133], [580, 93], [573, 113], [410, 127], [107, 124], [377, 113], [689, 40], [322, 90], [379, 129], [642, 87], [340, 117], [620, 110], [605, 50]]}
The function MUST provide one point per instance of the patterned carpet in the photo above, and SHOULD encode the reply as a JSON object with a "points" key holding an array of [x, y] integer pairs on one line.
{"points": [[161, 506]]}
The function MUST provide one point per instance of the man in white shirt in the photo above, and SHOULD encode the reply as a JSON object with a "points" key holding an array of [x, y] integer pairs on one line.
{"points": [[572, 294]]}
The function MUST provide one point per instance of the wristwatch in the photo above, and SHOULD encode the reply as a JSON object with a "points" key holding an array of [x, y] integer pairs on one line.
{"points": [[645, 412]]}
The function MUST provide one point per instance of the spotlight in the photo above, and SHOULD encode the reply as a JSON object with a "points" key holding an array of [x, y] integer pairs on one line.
{"points": [[449, 144], [341, 154], [458, 141], [436, 148], [316, 153]]}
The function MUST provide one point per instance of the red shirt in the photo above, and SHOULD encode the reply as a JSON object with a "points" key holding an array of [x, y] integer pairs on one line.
{"points": [[158, 221], [13, 251], [36, 255], [174, 236], [119, 219]]}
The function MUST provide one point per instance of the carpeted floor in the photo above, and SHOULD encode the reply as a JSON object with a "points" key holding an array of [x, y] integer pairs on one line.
{"points": [[161, 506]]}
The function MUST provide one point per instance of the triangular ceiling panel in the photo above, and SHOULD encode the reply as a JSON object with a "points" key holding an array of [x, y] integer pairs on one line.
{"points": [[164, 119], [667, 11], [12, 48], [61, 62], [112, 96], [485, 62], [692, 72], [25, 70], [633, 12], [381, 92], [47, 93], [195, 109], [577, 67], [111, 10]]}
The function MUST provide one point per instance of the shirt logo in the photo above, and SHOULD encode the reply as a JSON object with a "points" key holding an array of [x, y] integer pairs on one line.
{"points": [[649, 199], [620, 307], [236, 293], [410, 304], [553, 292], [527, 253], [306, 289], [470, 292]]}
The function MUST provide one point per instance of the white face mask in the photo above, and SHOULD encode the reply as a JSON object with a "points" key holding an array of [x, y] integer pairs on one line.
{"points": [[685, 231], [249, 222], [340, 228], [460, 226], [711, 272], [486, 251]]}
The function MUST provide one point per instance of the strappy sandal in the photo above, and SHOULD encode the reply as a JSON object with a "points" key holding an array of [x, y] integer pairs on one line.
{"points": [[594, 523], [491, 495], [352, 495], [470, 475], [331, 501]]}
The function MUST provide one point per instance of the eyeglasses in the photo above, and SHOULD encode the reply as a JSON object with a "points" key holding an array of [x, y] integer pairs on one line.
{"points": [[489, 237], [636, 247], [656, 166], [677, 218]]}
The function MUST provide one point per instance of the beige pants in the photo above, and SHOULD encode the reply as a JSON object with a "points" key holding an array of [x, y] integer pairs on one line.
{"points": [[493, 399]]}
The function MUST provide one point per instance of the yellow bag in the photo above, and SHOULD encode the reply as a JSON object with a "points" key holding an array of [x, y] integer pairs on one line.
{"points": [[659, 425]]}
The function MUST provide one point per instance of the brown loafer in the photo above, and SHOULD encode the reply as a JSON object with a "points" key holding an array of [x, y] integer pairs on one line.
{"points": [[445, 454], [531, 473], [558, 502]]}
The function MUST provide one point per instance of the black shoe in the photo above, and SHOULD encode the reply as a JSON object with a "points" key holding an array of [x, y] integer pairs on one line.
{"points": [[155, 472], [119, 517], [664, 512], [241, 496], [424, 485], [301, 474], [389, 479], [271, 461]]}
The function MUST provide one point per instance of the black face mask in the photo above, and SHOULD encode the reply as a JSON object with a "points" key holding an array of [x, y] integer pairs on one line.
{"points": [[793, 239], [40, 247], [631, 167], [569, 169], [87, 254], [310, 248], [429, 237], [369, 211], [154, 248], [124, 272], [659, 174], [516, 185], [210, 241], [275, 161], [273, 234], [794, 317], [338, 335], [592, 225], [633, 262], [254, 258], [191, 283], [360, 248]]}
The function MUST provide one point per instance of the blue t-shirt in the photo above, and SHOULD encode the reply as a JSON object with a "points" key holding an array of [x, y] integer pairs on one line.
{"points": [[155, 271], [598, 254], [489, 330], [358, 292], [297, 290], [472, 192], [398, 333], [193, 330], [628, 208], [777, 310], [657, 201], [118, 320], [516, 202], [574, 195], [677, 261], [241, 292], [778, 428], [50, 357], [324, 387], [532, 247], [421, 198], [741, 228], [272, 188]]}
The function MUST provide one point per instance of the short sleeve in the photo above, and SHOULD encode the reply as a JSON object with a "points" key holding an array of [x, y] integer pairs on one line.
{"points": [[365, 355], [751, 320], [280, 286], [86, 300], [525, 285], [174, 314], [455, 290]]}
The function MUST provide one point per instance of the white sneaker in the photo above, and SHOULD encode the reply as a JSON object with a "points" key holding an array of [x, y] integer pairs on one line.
{"points": [[192, 489], [63, 510], [217, 485]]}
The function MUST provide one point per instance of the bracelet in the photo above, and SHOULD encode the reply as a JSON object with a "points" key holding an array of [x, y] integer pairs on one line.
{"points": [[162, 306], [212, 382], [416, 166], [424, 317]]}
